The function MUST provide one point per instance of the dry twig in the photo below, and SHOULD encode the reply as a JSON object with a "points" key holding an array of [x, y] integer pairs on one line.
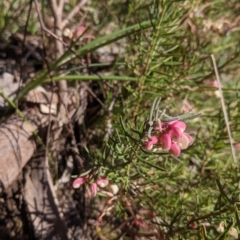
{"points": [[224, 110], [73, 13]]}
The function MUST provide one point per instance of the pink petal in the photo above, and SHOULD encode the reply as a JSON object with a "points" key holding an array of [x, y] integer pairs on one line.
{"points": [[175, 133], [175, 150], [190, 139], [78, 182], [165, 141], [177, 124], [183, 142]]}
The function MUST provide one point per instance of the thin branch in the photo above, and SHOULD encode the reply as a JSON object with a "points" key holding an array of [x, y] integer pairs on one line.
{"points": [[73, 13], [44, 28], [62, 85], [224, 109], [57, 13], [54, 6], [60, 6]]}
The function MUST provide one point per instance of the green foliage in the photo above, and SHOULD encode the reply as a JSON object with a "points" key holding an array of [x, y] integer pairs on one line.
{"points": [[199, 192], [13, 17], [167, 54]]}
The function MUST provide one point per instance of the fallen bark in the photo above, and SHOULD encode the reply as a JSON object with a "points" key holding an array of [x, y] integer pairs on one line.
{"points": [[17, 144], [51, 217], [18, 135]]}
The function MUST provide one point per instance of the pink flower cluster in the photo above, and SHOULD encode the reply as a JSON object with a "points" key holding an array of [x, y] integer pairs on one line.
{"points": [[170, 137], [93, 187]]}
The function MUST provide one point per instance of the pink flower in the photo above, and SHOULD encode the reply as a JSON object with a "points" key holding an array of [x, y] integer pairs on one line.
{"points": [[150, 143], [93, 188], [176, 131], [78, 182], [102, 182], [171, 137], [165, 141]]}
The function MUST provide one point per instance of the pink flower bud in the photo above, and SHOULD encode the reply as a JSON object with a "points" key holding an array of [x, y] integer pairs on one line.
{"points": [[78, 182], [165, 141], [150, 143], [99, 219], [102, 182], [79, 31], [214, 83], [237, 146], [175, 149]]}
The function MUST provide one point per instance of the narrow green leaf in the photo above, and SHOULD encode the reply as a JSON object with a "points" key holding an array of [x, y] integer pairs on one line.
{"points": [[90, 47]]}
